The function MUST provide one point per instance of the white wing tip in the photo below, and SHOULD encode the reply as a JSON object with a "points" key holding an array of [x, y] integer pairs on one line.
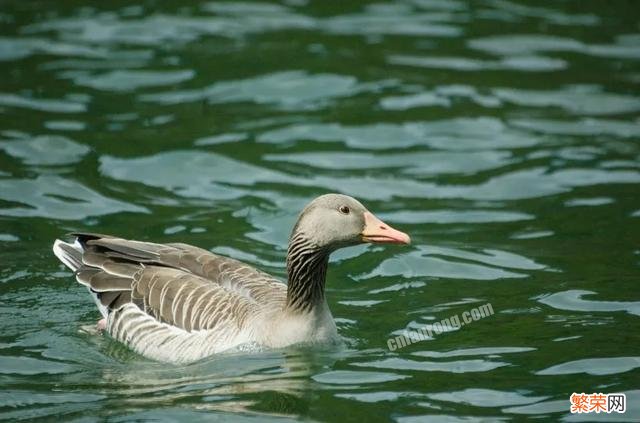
{"points": [[64, 256]]}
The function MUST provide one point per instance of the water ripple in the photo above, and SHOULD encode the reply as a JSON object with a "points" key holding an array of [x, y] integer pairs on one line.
{"points": [[460, 366], [130, 80], [446, 217], [290, 90], [349, 377], [411, 163], [582, 127], [529, 63], [572, 300], [57, 198], [579, 100], [484, 351], [44, 149], [450, 134], [593, 366], [14, 48], [514, 44], [436, 262], [486, 397], [42, 104]]}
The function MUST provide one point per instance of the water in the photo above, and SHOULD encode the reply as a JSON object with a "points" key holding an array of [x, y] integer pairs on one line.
{"points": [[503, 136]]}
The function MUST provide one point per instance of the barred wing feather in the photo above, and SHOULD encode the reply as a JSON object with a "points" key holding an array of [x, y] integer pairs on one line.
{"points": [[161, 298]]}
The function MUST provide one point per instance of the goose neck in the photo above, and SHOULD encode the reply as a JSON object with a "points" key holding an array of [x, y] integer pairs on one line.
{"points": [[306, 273]]}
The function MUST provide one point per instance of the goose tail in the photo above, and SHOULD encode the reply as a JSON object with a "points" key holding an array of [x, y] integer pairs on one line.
{"points": [[71, 256]]}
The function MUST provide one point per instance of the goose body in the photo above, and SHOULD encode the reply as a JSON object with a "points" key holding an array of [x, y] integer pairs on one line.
{"points": [[179, 303]]}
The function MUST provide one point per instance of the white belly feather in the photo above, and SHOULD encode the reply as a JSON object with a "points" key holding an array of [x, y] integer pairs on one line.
{"points": [[160, 341]]}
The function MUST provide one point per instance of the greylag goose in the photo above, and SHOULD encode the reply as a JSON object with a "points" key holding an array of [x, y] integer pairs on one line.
{"points": [[178, 303]]}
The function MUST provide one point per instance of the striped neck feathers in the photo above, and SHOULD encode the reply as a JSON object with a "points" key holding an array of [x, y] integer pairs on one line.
{"points": [[306, 270]]}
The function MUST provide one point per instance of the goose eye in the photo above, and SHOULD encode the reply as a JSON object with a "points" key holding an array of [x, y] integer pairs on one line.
{"points": [[344, 209]]}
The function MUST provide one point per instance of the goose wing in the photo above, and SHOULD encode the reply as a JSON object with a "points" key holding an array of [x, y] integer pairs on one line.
{"points": [[178, 284]]}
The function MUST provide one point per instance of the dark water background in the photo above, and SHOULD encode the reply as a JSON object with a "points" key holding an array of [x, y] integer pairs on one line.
{"points": [[502, 135]]}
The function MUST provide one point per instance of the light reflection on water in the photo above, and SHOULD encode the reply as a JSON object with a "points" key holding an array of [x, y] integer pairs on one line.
{"points": [[501, 135]]}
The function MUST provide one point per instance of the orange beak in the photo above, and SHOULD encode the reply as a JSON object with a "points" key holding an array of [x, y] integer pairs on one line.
{"points": [[375, 230]]}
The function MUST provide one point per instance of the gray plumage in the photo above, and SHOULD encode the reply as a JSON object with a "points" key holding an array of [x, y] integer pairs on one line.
{"points": [[179, 303]]}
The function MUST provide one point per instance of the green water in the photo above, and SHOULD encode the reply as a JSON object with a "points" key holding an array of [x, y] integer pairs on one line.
{"points": [[502, 136]]}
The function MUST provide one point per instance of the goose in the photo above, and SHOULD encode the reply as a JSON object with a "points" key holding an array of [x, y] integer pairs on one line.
{"points": [[178, 303]]}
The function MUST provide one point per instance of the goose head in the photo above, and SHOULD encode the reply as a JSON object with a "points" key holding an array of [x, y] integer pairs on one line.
{"points": [[329, 222], [334, 221]]}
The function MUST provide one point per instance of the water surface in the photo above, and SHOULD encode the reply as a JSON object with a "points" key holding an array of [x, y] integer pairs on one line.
{"points": [[502, 135]]}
